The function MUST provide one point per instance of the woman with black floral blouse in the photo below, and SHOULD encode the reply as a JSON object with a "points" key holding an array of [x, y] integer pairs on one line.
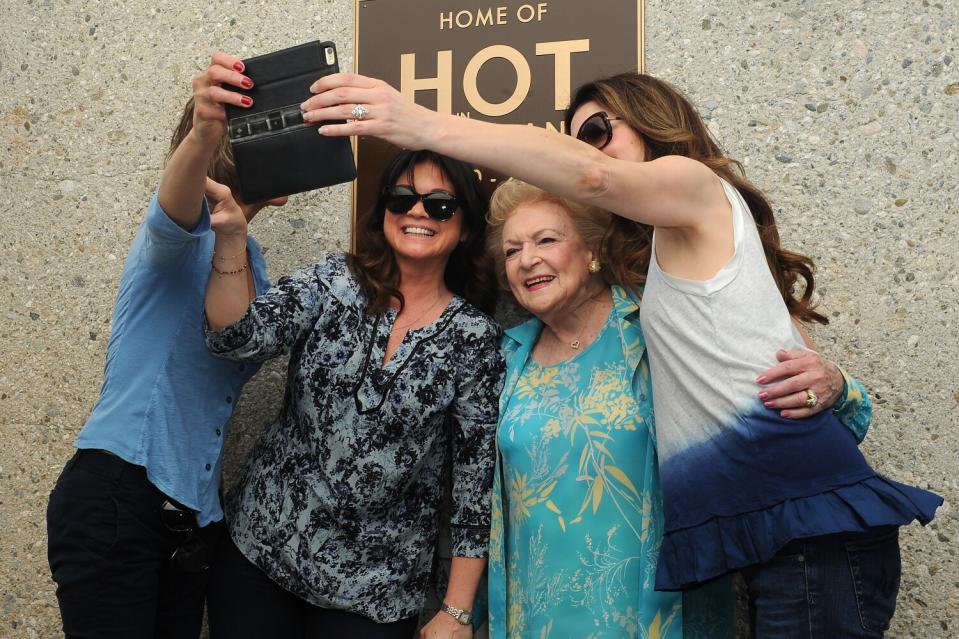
{"points": [[394, 368]]}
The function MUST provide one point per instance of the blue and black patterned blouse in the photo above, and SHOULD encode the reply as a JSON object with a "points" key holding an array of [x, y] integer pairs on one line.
{"points": [[339, 500]]}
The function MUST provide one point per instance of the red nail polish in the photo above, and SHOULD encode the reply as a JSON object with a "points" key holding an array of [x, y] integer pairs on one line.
{"points": [[238, 66], [247, 83], [246, 100]]}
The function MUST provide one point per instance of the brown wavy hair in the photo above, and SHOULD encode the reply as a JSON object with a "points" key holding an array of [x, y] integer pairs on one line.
{"points": [[222, 168], [670, 125], [469, 271]]}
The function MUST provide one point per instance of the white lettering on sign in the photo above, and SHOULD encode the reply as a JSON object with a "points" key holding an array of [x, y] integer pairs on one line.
{"points": [[561, 50], [466, 18]]}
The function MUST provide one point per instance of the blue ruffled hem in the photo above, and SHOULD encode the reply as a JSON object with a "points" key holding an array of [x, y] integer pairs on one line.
{"points": [[693, 555]]}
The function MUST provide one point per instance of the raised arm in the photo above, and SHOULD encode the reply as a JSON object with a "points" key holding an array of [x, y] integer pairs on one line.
{"points": [[668, 192], [184, 178], [230, 287]]}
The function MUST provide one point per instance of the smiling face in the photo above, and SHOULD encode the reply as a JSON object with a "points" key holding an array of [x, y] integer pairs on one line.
{"points": [[416, 238], [546, 259], [626, 143]]}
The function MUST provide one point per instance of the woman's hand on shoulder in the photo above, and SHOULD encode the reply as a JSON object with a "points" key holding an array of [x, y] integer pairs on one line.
{"points": [[800, 371], [389, 115], [209, 96]]}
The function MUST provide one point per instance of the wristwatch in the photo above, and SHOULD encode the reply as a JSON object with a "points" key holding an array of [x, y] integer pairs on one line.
{"points": [[464, 617]]}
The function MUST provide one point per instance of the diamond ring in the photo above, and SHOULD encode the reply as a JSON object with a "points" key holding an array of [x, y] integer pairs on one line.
{"points": [[359, 112]]}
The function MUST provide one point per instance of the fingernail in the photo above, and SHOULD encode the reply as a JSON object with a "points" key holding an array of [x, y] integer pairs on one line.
{"points": [[247, 82], [321, 130], [768, 404], [238, 66], [761, 379], [784, 413], [303, 107], [246, 100], [313, 88], [763, 395]]}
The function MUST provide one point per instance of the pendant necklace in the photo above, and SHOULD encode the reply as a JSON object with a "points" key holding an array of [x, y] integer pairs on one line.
{"points": [[576, 343], [420, 316]]}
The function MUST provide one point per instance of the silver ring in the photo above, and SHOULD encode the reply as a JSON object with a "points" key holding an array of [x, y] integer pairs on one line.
{"points": [[359, 112]]}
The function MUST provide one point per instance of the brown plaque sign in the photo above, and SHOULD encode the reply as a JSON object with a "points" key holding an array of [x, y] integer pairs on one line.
{"points": [[504, 61]]}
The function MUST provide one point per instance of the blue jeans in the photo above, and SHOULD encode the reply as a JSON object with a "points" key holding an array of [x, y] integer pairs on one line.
{"points": [[832, 587]]}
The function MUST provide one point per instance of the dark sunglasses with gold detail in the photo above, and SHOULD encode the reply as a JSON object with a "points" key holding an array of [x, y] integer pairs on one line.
{"points": [[596, 130], [192, 553], [439, 205]]}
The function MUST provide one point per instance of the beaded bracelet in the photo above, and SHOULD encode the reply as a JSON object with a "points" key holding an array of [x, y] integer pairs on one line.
{"points": [[228, 257], [236, 272]]}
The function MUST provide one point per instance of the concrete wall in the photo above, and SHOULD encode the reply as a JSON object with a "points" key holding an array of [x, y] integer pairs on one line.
{"points": [[843, 111]]}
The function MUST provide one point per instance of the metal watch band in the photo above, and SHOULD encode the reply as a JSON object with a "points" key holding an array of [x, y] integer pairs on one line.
{"points": [[464, 617]]}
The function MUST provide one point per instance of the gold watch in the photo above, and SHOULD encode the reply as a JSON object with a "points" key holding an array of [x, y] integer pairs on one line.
{"points": [[464, 617]]}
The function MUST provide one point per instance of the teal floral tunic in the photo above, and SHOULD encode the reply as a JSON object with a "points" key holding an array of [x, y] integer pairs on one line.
{"points": [[577, 512]]}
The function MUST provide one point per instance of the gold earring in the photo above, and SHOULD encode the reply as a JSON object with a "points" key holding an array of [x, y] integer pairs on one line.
{"points": [[594, 266]]}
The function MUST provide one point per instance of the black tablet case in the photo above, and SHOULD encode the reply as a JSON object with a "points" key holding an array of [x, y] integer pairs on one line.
{"points": [[276, 153]]}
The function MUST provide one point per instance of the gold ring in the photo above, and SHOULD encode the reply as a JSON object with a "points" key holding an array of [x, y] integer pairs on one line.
{"points": [[811, 398]]}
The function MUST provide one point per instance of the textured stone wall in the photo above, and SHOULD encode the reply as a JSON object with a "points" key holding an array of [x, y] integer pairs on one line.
{"points": [[843, 111]]}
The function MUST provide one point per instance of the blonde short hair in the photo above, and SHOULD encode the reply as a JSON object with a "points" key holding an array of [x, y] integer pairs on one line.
{"points": [[590, 222]]}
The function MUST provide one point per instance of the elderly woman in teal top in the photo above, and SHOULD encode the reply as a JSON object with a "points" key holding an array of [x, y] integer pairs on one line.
{"points": [[577, 509]]}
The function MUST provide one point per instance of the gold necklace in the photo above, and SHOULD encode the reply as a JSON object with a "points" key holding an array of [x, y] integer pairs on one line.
{"points": [[420, 316], [577, 343]]}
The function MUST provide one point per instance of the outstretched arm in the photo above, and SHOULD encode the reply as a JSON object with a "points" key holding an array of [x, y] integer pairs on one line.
{"points": [[184, 178], [668, 192]]}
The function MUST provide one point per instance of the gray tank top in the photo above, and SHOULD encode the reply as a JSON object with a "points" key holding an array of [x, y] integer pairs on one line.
{"points": [[709, 339]]}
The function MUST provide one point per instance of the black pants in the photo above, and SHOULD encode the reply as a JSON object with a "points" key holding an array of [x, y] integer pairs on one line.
{"points": [[244, 603], [109, 554]]}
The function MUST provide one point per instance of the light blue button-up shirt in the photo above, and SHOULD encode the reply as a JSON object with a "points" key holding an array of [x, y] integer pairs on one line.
{"points": [[165, 400]]}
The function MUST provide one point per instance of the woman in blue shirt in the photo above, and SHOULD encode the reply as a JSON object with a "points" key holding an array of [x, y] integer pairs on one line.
{"points": [[128, 513]]}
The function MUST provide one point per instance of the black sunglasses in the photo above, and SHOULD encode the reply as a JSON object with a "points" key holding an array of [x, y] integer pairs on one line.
{"points": [[596, 130], [439, 205], [192, 554]]}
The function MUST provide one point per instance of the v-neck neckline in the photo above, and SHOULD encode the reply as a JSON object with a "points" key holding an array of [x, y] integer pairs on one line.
{"points": [[390, 315], [444, 319]]}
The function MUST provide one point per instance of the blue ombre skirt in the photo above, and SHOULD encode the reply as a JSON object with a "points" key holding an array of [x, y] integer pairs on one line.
{"points": [[735, 500]]}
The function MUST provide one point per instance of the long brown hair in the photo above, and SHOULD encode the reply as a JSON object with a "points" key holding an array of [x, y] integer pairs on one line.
{"points": [[222, 168], [469, 271], [670, 125]]}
